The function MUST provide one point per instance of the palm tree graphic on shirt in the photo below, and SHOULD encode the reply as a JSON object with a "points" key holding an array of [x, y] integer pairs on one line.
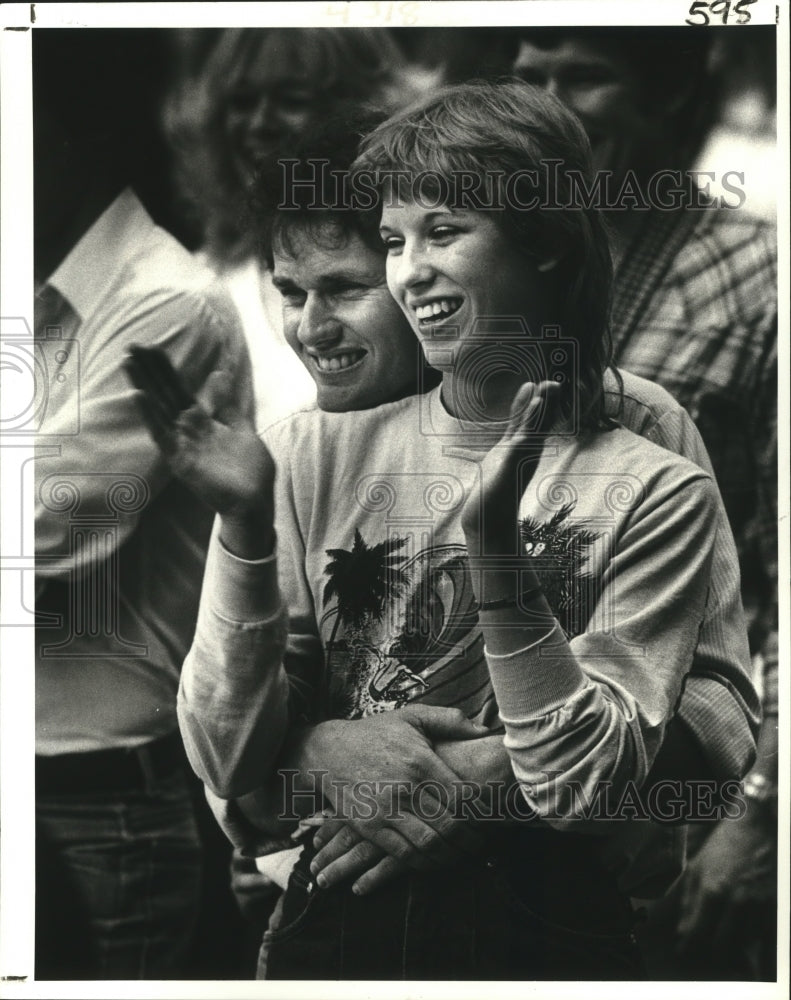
{"points": [[560, 550], [396, 621], [363, 581]]}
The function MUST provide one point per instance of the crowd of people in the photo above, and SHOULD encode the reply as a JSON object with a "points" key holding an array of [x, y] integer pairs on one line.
{"points": [[407, 560]]}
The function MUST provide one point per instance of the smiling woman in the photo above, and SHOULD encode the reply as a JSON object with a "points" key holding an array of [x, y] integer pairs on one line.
{"points": [[496, 552], [447, 269], [258, 89], [538, 266]]}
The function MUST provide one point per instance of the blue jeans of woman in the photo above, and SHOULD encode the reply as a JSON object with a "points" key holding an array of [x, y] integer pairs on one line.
{"points": [[535, 905]]}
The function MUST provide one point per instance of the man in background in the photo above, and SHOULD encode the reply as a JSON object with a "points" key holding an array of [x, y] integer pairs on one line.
{"points": [[695, 309], [120, 545]]}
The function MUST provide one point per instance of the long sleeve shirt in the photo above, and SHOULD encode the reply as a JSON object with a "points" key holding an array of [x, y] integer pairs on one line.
{"points": [[381, 607], [695, 309], [120, 545]]}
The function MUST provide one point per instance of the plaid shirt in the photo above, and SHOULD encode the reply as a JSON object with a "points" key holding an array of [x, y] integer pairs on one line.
{"points": [[695, 309]]}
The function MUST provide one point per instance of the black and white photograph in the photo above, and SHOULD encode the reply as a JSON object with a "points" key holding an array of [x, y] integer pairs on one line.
{"points": [[395, 563]]}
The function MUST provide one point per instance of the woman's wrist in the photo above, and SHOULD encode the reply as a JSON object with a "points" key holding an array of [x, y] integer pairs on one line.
{"points": [[503, 580], [513, 611], [520, 599], [249, 535], [545, 633]]}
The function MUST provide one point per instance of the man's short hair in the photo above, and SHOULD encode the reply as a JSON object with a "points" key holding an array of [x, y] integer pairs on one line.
{"points": [[671, 66], [307, 187]]}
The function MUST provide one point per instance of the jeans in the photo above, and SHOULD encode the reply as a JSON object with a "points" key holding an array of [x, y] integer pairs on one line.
{"points": [[118, 878], [534, 906]]}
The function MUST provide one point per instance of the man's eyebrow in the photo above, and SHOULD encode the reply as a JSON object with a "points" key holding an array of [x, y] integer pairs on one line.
{"points": [[337, 278], [344, 278], [330, 281], [283, 284]]}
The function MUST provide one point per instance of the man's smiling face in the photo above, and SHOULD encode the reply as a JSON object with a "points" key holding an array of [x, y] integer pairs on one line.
{"points": [[341, 320], [601, 90]]}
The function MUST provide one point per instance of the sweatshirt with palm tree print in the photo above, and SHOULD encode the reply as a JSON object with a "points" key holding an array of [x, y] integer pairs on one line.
{"points": [[372, 566]]}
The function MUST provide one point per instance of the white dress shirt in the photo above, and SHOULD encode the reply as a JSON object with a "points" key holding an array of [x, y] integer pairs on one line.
{"points": [[120, 545]]}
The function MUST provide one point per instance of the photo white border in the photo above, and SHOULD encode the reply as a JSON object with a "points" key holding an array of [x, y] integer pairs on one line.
{"points": [[16, 288]]}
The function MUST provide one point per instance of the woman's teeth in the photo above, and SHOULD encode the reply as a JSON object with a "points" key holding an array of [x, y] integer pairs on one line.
{"points": [[338, 362], [442, 307]]}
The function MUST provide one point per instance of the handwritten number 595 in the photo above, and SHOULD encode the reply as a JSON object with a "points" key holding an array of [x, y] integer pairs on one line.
{"points": [[724, 9]]}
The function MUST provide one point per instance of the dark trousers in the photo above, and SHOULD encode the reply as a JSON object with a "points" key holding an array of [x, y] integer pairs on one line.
{"points": [[118, 873], [534, 906]]}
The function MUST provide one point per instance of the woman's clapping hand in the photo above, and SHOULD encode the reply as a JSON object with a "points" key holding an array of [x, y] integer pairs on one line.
{"points": [[490, 519]]}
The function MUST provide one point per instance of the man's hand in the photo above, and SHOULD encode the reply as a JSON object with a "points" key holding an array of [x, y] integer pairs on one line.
{"points": [[391, 788], [735, 869], [210, 448], [344, 854]]}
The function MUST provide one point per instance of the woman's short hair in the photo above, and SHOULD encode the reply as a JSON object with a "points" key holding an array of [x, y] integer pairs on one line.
{"points": [[529, 154], [337, 64]]}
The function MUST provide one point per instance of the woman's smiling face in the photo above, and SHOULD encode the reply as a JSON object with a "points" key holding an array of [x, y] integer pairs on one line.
{"points": [[455, 274], [271, 98]]}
